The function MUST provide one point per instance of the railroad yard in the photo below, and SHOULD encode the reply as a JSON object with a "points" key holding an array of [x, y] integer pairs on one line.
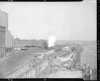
{"points": [[45, 64]]}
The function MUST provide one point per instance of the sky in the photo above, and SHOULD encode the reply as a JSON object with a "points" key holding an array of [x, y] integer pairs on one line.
{"points": [[65, 21]]}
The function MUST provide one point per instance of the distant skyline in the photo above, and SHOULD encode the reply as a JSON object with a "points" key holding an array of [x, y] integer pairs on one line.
{"points": [[66, 21]]}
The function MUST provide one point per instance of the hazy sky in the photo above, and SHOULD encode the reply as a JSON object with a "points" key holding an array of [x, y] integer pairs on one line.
{"points": [[67, 21]]}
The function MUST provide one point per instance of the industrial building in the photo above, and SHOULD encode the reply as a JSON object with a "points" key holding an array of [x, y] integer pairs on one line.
{"points": [[3, 26], [18, 43], [9, 42], [6, 39]]}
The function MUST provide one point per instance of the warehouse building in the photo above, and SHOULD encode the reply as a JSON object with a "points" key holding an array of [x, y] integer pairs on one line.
{"points": [[3, 26], [18, 43], [6, 39], [9, 42]]}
